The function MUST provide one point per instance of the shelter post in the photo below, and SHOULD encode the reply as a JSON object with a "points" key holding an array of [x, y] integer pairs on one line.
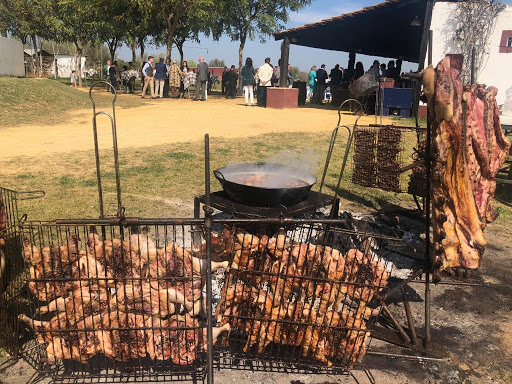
{"points": [[285, 57]]}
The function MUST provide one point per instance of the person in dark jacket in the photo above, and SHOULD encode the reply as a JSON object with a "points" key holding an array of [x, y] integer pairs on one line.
{"points": [[223, 80], [202, 79], [248, 74], [321, 77], [231, 81], [112, 78], [160, 74], [336, 75]]}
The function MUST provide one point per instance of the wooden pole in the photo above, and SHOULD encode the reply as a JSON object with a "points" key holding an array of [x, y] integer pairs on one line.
{"points": [[285, 57]]}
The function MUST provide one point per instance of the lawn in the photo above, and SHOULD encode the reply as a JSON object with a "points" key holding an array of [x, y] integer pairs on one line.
{"points": [[25, 101]]}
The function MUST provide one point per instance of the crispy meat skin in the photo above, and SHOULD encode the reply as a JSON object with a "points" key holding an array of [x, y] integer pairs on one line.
{"points": [[458, 236]]}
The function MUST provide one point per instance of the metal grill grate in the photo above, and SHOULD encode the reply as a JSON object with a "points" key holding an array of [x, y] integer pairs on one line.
{"points": [[294, 299]]}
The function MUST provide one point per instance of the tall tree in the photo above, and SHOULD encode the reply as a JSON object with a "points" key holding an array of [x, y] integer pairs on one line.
{"points": [[172, 13], [245, 19]]}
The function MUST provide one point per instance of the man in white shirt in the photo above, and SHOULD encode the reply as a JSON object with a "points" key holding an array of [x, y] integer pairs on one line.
{"points": [[147, 72], [265, 75]]}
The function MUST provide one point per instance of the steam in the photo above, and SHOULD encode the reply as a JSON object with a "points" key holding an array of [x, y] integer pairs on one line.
{"points": [[272, 175]]}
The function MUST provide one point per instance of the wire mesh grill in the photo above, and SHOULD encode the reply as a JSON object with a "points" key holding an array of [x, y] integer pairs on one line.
{"points": [[11, 270], [377, 159], [418, 179], [302, 297], [111, 300]]}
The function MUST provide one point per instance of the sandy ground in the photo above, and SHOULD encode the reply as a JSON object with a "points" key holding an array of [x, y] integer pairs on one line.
{"points": [[165, 121]]}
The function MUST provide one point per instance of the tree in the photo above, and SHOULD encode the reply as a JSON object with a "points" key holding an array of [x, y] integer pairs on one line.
{"points": [[174, 12], [243, 19], [475, 23], [216, 63]]}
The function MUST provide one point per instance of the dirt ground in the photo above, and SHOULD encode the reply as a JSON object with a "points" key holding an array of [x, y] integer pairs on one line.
{"points": [[471, 325], [164, 121]]}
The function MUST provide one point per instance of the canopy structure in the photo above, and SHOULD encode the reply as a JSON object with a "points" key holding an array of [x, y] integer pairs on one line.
{"points": [[392, 29]]}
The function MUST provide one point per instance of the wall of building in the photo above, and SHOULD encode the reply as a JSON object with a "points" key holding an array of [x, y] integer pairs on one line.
{"points": [[66, 64], [11, 57], [497, 67]]}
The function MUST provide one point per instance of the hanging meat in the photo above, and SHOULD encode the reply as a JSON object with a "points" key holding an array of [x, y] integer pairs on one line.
{"points": [[462, 179]]}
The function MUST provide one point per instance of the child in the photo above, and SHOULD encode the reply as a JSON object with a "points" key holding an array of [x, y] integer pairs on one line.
{"points": [[73, 79]]}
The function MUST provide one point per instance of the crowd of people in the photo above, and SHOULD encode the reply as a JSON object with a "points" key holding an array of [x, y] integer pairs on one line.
{"points": [[318, 79], [168, 79]]}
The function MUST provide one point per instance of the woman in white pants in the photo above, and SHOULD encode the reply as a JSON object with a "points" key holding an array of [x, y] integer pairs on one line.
{"points": [[248, 81]]}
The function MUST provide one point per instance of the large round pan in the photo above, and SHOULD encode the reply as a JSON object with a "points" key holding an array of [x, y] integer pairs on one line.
{"points": [[265, 196]]}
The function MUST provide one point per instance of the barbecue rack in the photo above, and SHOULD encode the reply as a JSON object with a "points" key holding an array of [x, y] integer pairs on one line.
{"points": [[361, 291]]}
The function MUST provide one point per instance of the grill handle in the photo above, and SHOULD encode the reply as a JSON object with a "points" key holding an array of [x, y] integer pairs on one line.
{"points": [[219, 176]]}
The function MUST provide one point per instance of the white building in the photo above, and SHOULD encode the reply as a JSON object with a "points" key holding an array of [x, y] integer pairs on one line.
{"points": [[66, 64], [497, 66]]}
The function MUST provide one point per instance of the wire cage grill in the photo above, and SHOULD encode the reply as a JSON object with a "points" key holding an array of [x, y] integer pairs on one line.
{"points": [[418, 179], [111, 301], [378, 155], [301, 298]]}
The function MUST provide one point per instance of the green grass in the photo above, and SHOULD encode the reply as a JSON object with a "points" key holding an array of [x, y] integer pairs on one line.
{"points": [[47, 101], [409, 121], [162, 181]]}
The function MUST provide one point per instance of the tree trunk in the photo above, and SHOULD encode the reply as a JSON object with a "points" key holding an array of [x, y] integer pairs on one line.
{"points": [[170, 40], [241, 59], [41, 59], [32, 61], [112, 47], [141, 45], [179, 45], [79, 63], [133, 46]]}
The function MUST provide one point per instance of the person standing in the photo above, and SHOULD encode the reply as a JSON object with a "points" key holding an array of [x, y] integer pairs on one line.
{"points": [[175, 79], [277, 74], [312, 81], [202, 79], [375, 70], [147, 72], [248, 75], [223, 80], [184, 71], [321, 77], [231, 80], [112, 78], [265, 73], [166, 84], [160, 74], [336, 75], [73, 78]]}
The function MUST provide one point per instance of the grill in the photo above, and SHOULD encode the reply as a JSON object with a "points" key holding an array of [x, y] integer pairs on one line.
{"points": [[107, 300], [221, 201], [378, 156], [133, 299]]}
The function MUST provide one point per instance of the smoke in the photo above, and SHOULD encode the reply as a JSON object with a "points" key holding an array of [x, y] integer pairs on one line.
{"points": [[272, 175], [305, 159]]}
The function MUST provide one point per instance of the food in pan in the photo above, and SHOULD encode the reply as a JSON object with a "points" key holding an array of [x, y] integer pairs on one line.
{"points": [[267, 180]]}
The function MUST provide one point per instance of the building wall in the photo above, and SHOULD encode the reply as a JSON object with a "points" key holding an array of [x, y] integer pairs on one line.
{"points": [[497, 67], [11, 57], [66, 64]]}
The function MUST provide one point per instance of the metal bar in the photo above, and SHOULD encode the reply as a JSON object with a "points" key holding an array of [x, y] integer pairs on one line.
{"points": [[428, 261], [399, 355], [395, 322], [410, 318], [473, 54], [208, 226], [460, 283]]}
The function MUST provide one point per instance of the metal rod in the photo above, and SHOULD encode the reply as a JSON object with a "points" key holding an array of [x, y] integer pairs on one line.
{"points": [[403, 356], [428, 263], [473, 54], [395, 322], [208, 227], [410, 318]]}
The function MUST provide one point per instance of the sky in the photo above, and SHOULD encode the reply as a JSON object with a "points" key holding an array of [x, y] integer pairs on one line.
{"points": [[303, 57]]}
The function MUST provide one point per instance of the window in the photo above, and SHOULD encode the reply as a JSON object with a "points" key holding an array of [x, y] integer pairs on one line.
{"points": [[506, 42]]}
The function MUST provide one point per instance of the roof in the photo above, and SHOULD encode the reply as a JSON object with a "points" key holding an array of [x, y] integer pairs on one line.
{"points": [[32, 52], [383, 29]]}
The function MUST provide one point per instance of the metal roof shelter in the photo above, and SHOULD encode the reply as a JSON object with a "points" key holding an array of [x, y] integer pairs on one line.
{"points": [[394, 28]]}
